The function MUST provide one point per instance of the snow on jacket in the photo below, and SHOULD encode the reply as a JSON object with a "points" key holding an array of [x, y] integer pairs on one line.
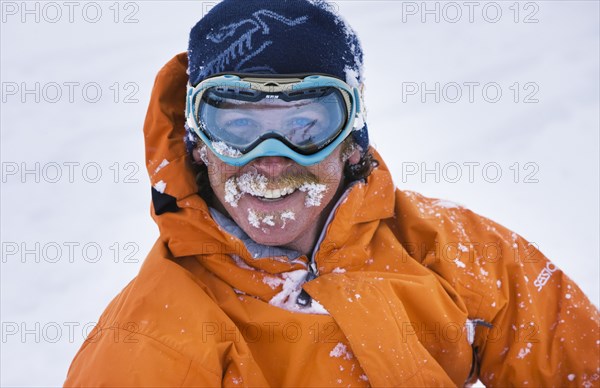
{"points": [[417, 292]]}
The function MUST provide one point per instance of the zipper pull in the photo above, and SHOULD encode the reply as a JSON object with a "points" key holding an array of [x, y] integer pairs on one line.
{"points": [[304, 299]]}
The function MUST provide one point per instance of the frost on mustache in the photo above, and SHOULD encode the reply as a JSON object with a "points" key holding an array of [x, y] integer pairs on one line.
{"points": [[232, 194], [256, 185], [314, 193], [251, 183]]}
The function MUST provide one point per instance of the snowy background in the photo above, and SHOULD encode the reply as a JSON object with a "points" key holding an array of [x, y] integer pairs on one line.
{"points": [[75, 223]]}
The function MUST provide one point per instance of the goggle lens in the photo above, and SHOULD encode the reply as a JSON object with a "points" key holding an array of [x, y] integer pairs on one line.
{"points": [[306, 120]]}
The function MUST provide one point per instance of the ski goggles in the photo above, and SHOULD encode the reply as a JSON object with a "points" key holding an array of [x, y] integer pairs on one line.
{"points": [[244, 117]]}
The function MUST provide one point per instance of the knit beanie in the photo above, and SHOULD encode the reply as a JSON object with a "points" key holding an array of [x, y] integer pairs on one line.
{"points": [[276, 37]]}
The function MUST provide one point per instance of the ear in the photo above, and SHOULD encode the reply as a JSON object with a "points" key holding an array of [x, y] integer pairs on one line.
{"points": [[354, 156], [197, 154]]}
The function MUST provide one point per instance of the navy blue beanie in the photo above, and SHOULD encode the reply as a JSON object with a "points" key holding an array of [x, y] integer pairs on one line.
{"points": [[276, 37]]}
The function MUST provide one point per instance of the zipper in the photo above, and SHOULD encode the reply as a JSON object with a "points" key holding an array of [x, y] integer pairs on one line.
{"points": [[303, 298]]}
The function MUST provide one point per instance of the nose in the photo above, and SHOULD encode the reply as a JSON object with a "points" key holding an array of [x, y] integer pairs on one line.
{"points": [[272, 166]]}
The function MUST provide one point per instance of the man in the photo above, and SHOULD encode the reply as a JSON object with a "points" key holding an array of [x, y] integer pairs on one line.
{"points": [[286, 256]]}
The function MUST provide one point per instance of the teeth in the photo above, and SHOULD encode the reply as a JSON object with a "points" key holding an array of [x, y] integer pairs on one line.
{"points": [[270, 194], [277, 193]]}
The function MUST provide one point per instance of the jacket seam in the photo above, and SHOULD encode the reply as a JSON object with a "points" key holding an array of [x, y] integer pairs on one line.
{"points": [[191, 360], [187, 372]]}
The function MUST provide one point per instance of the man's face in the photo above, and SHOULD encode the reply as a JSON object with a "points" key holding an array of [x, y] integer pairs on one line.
{"points": [[275, 200]]}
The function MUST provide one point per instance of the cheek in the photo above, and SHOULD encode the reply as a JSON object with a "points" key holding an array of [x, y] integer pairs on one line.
{"points": [[330, 171], [219, 172]]}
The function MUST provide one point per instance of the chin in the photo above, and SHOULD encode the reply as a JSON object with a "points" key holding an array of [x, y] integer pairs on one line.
{"points": [[270, 237]]}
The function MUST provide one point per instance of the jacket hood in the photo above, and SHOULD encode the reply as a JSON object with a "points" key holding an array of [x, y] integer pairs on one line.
{"points": [[180, 212]]}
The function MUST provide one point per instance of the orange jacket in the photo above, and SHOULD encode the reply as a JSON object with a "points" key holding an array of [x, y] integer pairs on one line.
{"points": [[419, 291]]}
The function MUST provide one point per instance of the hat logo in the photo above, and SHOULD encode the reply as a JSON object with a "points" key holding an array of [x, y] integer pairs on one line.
{"points": [[243, 48]]}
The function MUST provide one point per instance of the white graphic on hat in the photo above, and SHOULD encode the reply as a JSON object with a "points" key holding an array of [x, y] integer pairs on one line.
{"points": [[243, 49]]}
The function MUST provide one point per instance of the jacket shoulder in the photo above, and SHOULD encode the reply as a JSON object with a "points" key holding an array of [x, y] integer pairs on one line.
{"points": [[471, 252], [156, 330], [529, 307]]}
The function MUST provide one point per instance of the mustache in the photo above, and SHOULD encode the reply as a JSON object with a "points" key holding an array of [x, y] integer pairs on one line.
{"points": [[292, 180], [258, 185], [254, 182]]}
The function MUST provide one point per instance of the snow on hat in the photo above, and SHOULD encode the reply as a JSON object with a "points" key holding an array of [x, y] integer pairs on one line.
{"points": [[276, 37]]}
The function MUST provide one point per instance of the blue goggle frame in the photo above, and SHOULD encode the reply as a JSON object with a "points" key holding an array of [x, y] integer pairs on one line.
{"points": [[272, 83]]}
